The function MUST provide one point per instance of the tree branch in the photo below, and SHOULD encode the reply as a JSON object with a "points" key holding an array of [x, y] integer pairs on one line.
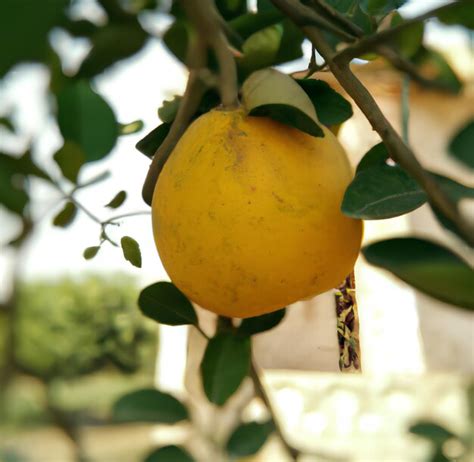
{"points": [[208, 23], [263, 395], [399, 151], [372, 42], [331, 13], [397, 61], [408, 68], [195, 89]]}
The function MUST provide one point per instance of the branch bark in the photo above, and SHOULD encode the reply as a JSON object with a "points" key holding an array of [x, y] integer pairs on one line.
{"points": [[399, 151], [397, 61], [263, 395], [195, 89], [208, 24], [327, 10]]}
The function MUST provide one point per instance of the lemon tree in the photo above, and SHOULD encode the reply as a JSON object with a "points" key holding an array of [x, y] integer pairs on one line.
{"points": [[254, 204]]}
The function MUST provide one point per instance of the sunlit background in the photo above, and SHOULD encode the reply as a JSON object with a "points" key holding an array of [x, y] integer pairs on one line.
{"points": [[416, 353]]}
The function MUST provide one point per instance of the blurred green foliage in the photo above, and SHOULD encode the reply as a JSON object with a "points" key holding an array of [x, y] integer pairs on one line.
{"points": [[68, 328], [79, 344]]}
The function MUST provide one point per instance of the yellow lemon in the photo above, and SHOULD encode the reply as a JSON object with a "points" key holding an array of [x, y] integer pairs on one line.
{"points": [[246, 214]]}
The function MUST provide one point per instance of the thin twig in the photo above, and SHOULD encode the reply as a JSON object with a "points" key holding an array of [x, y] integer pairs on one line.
{"points": [[405, 108], [399, 151], [208, 23], [125, 215], [309, 16], [394, 58], [225, 324], [332, 14], [292, 451], [263, 395], [370, 42], [201, 331], [189, 105], [71, 198], [406, 66]]}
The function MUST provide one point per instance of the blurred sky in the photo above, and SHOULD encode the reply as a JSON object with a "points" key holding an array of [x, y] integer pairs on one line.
{"points": [[135, 89]]}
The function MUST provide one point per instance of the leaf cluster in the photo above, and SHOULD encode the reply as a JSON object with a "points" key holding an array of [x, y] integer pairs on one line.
{"points": [[224, 366], [62, 333]]}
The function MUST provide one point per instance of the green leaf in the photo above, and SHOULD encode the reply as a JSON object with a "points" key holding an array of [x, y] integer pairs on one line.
{"points": [[250, 23], [362, 19], [26, 229], [331, 107], [434, 66], [225, 364], [258, 324], [168, 110], [90, 252], [265, 5], [13, 171], [109, 47], [165, 303], [131, 128], [169, 454], [80, 27], [248, 439], [261, 48], [270, 39], [24, 29], [86, 119], [427, 266], [439, 456], [131, 251], [149, 405], [176, 38], [269, 93], [380, 7], [26, 165], [461, 13], [114, 10], [431, 431], [230, 9], [117, 200], [7, 123], [343, 6], [381, 191], [288, 115], [12, 193], [410, 39], [151, 142], [455, 191], [377, 155], [291, 43], [462, 145], [70, 159], [66, 216]]}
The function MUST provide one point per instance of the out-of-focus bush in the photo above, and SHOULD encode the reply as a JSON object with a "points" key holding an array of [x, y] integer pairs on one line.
{"points": [[69, 328], [79, 344]]}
